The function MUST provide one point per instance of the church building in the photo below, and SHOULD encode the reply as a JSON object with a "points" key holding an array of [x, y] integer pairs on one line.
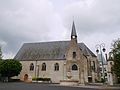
{"points": [[59, 61]]}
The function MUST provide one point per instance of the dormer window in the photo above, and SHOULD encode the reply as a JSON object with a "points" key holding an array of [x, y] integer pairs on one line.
{"points": [[74, 54]]}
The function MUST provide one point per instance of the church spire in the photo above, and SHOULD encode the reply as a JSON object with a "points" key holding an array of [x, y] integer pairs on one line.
{"points": [[73, 33]]}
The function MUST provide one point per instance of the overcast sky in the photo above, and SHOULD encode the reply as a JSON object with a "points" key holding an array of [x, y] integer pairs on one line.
{"points": [[24, 21]]}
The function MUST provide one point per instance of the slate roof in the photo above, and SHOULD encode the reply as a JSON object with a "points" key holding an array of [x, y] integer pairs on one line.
{"points": [[86, 50], [48, 50]]}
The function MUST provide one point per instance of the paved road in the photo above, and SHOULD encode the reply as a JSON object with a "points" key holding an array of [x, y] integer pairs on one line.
{"points": [[36, 86]]}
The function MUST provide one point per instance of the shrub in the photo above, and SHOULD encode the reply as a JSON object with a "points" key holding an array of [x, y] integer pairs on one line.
{"points": [[46, 79], [41, 79]]}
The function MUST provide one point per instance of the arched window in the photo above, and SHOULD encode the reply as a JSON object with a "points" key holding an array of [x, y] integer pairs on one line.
{"points": [[74, 67], [56, 67], [43, 67], [31, 67], [94, 65]]}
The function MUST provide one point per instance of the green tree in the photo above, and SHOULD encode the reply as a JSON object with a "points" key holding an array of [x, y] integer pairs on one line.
{"points": [[10, 68], [116, 57], [0, 59], [0, 54]]}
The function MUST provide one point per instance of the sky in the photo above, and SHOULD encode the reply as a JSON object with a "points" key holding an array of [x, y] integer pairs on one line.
{"points": [[27, 21]]}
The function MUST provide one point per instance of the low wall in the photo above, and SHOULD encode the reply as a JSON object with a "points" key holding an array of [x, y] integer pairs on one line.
{"points": [[69, 82]]}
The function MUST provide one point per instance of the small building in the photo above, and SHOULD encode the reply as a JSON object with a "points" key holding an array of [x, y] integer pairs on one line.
{"points": [[58, 60]]}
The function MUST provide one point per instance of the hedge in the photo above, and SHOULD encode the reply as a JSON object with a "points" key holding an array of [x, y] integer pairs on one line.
{"points": [[41, 79]]}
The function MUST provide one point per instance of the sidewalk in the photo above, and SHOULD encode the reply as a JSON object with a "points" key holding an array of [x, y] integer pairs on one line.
{"points": [[96, 86], [100, 87]]}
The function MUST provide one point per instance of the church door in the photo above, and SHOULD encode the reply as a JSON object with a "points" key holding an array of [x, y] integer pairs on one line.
{"points": [[75, 72], [25, 77]]}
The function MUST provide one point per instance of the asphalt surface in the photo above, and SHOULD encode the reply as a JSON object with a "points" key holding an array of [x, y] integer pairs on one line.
{"points": [[37, 86]]}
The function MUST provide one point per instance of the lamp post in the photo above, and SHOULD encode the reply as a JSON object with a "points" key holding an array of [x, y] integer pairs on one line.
{"points": [[37, 71], [64, 71], [100, 48]]}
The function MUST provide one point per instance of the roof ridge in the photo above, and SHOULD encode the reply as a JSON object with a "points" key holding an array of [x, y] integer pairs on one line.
{"points": [[46, 42]]}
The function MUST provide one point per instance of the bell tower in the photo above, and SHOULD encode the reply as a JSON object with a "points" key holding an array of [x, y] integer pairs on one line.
{"points": [[75, 59]]}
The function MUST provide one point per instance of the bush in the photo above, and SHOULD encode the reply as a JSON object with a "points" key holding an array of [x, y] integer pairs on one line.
{"points": [[46, 79], [41, 79], [35, 79]]}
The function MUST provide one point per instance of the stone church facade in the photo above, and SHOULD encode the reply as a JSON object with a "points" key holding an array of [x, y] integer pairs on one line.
{"points": [[59, 61]]}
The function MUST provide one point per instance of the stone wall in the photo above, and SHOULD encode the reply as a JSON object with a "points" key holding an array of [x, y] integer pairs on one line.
{"points": [[55, 76]]}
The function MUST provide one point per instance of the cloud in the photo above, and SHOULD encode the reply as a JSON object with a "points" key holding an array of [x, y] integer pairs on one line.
{"points": [[27, 21], [93, 16], [96, 21], [47, 20]]}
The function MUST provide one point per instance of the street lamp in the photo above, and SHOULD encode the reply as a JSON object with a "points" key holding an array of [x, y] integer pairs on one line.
{"points": [[101, 48]]}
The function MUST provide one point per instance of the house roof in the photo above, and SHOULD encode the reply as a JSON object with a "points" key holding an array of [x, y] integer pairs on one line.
{"points": [[48, 50]]}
